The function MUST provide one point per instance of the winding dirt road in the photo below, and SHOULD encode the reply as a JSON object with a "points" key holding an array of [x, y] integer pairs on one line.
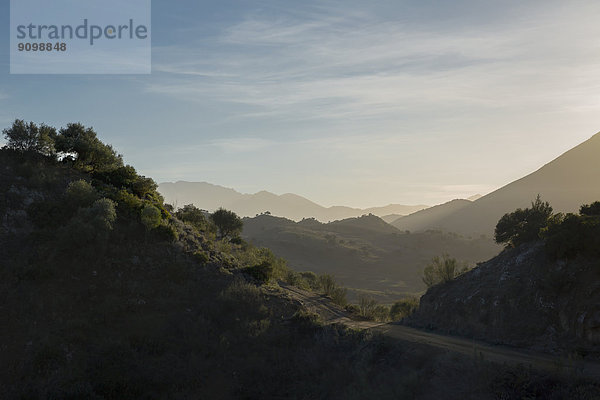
{"points": [[331, 313]]}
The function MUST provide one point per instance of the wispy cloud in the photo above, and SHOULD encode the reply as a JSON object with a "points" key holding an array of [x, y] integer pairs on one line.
{"points": [[342, 66]]}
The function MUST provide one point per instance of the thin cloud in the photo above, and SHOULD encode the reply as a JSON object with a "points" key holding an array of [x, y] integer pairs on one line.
{"points": [[337, 67]]}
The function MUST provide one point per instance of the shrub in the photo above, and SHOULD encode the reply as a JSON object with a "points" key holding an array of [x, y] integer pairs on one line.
{"points": [[166, 232], [90, 225], [80, 193], [262, 272], [339, 296], [192, 215], [295, 279], [327, 284], [150, 216], [201, 257], [441, 269], [403, 308], [366, 306]]}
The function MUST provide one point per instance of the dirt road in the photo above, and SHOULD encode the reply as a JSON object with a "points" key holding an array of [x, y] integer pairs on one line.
{"points": [[331, 313]]}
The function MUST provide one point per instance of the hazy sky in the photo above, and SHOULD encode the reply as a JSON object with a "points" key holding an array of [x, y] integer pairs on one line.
{"points": [[356, 103]]}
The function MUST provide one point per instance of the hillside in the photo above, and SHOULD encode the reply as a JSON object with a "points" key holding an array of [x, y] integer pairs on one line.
{"points": [[210, 197], [365, 254], [429, 218], [522, 298], [108, 293], [566, 182]]}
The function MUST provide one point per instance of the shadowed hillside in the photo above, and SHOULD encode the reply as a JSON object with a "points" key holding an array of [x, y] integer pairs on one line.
{"points": [[522, 298], [210, 197], [567, 182], [430, 217], [365, 253]]}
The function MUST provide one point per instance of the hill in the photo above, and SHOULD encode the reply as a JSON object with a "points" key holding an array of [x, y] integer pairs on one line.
{"points": [[566, 182], [210, 197], [522, 298], [365, 254], [429, 218]]}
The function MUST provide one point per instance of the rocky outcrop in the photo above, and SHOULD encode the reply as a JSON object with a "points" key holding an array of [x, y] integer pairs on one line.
{"points": [[521, 298]]}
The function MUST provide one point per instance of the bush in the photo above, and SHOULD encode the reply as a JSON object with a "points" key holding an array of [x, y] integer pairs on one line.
{"points": [[327, 284], [262, 272], [150, 216], [339, 296], [295, 279], [366, 306], [441, 269], [403, 308], [80, 193], [201, 257], [311, 279], [90, 225], [195, 217], [166, 232]]}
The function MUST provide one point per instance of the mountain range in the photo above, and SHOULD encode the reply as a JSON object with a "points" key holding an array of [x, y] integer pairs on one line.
{"points": [[210, 197], [566, 183]]}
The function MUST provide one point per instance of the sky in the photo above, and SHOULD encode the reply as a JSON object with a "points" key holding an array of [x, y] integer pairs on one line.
{"points": [[344, 102]]}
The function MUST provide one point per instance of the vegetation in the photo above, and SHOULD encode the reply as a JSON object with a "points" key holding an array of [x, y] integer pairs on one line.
{"points": [[403, 308], [227, 222], [364, 253], [369, 309], [571, 235], [523, 225], [441, 270], [565, 235]]}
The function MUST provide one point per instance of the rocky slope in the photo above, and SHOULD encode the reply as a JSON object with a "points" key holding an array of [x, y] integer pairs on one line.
{"points": [[521, 298]]}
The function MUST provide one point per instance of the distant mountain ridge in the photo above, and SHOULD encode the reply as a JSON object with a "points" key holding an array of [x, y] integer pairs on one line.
{"points": [[210, 197], [566, 183]]}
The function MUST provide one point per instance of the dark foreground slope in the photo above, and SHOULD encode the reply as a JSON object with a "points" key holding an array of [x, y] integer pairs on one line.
{"points": [[365, 254], [521, 298]]}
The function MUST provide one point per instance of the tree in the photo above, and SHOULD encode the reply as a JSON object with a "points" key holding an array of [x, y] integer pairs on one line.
{"points": [[89, 154], [590, 209], [195, 217], [22, 136], [523, 225], [227, 222], [441, 269]]}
